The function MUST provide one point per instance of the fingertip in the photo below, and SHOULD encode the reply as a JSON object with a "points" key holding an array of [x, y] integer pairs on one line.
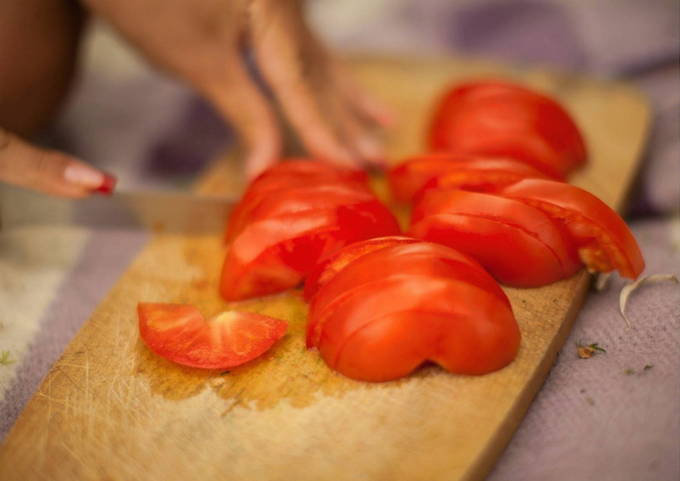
{"points": [[108, 185]]}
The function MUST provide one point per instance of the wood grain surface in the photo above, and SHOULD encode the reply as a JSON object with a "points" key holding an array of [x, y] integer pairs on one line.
{"points": [[111, 410]]}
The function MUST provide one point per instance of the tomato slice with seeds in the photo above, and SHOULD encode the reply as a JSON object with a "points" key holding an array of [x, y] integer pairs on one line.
{"points": [[325, 271], [503, 119], [455, 170], [603, 239], [180, 333], [520, 246]]}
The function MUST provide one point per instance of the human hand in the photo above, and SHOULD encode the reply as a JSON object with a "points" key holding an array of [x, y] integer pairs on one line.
{"points": [[48, 171], [202, 43]]}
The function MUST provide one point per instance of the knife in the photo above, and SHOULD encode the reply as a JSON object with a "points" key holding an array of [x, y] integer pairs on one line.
{"points": [[159, 211]]}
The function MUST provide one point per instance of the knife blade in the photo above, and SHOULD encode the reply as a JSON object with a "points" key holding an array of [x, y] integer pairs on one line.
{"points": [[159, 211]]}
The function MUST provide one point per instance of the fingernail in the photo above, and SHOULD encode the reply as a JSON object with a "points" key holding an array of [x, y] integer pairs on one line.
{"points": [[107, 186], [84, 176]]}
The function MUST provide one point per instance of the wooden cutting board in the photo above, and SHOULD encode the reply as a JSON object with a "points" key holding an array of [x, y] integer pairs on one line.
{"points": [[111, 410]]}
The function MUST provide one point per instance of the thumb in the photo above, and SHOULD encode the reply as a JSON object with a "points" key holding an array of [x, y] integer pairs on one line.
{"points": [[48, 171]]}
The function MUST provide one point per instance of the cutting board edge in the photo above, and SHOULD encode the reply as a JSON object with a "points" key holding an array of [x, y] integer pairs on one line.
{"points": [[487, 459]]}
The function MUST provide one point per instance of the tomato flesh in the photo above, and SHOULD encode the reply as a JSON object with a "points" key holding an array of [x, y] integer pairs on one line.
{"points": [[603, 239], [180, 333]]}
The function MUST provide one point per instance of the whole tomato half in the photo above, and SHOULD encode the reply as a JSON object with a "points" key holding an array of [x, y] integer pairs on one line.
{"points": [[385, 312], [498, 118], [391, 328]]}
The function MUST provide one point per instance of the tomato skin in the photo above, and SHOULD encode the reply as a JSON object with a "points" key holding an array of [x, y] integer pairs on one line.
{"points": [[503, 119], [482, 175], [520, 247], [292, 217], [604, 240], [454, 170], [273, 255], [407, 321], [325, 271], [288, 175], [300, 199], [415, 258], [180, 333]]}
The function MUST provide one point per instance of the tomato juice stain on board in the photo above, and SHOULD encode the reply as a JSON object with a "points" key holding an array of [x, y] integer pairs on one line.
{"points": [[288, 372]]}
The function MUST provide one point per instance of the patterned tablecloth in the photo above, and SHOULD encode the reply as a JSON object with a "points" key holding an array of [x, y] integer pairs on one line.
{"points": [[614, 417]]}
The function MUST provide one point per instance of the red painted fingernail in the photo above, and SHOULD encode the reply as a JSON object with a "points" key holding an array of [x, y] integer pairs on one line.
{"points": [[107, 186]]}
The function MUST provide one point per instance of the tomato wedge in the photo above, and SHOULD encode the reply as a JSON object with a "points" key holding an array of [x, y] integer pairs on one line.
{"points": [[289, 175], [455, 171], [275, 254], [418, 259], [503, 119], [325, 271], [483, 175], [520, 246], [300, 199], [180, 333], [399, 260], [404, 322], [603, 239]]}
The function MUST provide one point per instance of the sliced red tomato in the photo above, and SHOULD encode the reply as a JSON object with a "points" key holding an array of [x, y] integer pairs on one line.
{"points": [[180, 333], [507, 120], [300, 199], [603, 239], [483, 175], [289, 175], [275, 254], [406, 321], [310, 168], [419, 259], [519, 246], [325, 271], [456, 171]]}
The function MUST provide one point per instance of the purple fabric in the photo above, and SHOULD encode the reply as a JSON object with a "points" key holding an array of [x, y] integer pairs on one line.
{"points": [[526, 30]]}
